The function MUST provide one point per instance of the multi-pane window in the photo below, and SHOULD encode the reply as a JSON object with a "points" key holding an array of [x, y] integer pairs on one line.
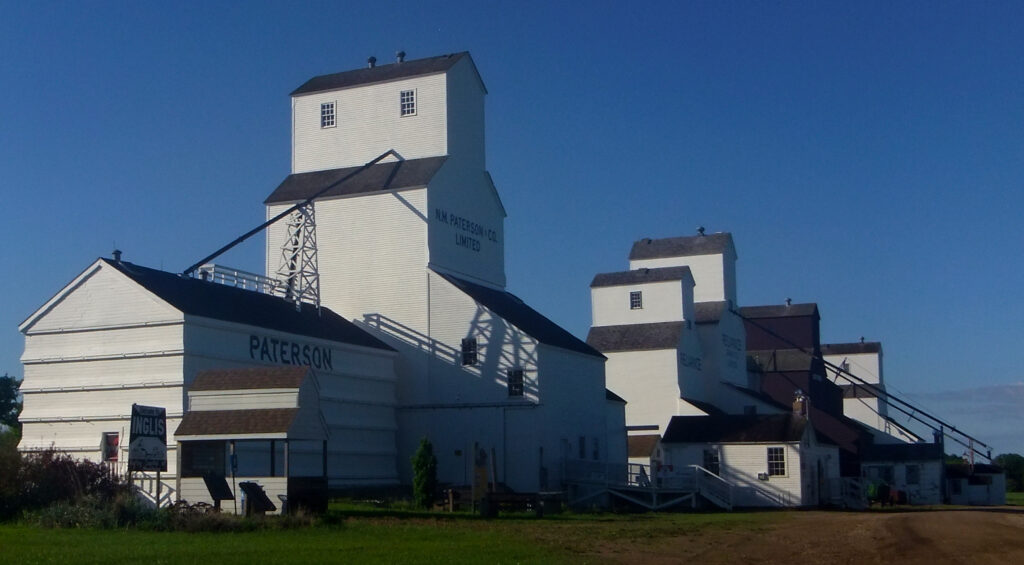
{"points": [[636, 300], [776, 461], [711, 461], [327, 115], [407, 101], [469, 348], [515, 382]]}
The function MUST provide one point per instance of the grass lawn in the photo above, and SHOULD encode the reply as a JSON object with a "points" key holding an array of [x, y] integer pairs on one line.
{"points": [[363, 535], [1015, 498]]}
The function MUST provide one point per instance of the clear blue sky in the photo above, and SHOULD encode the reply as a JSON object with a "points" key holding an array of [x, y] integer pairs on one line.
{"points": [[866, 156]]}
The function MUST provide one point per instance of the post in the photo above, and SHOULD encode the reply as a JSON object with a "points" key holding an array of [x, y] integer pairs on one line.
{"points": [[325, 459], [234, 487], [286, 458], [158, 485]]}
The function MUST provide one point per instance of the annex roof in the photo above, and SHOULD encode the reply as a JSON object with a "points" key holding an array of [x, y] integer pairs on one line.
{"points": [[394, 175], [635, 337], [758, 395], [383, 73], [221, 302], [250, 378], [643, 445], [709, 312], [685, 246], [902, 452], [609, 395], [734, 428], [237, 422], [638, 276], [851, 348], [512, 309], [779, 311]]}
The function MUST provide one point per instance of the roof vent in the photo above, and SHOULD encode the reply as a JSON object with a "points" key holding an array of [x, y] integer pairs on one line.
{"points": [[789, 302], [371, 61], [117, 257], [400, 56], [700, 231]]}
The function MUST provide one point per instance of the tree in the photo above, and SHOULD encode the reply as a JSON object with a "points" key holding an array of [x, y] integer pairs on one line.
{"points": [[10, 405], [1013, 465], [424, 474]]}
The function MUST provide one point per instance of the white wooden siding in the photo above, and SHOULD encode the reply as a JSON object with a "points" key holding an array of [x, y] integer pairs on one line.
{"points": [[466, 140], [714, 275], [369, 123], [662, 302], [649, 382]]}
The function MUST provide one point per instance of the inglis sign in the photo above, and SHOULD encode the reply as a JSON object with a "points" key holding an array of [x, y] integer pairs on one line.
{"points": [[147, 450]]}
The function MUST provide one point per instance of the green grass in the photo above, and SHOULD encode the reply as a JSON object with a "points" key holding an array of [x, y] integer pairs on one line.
{"points": [[1015, 498], [364, 534]]}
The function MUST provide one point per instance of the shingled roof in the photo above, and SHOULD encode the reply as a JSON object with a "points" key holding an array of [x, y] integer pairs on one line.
{"points": [[779, 310], [685, 246], [221, 302], [512, 309], [733, 428], [635, 337], [395, 175], [237, 422], [851, 348], [381, 73], [250, 378], [638, 276]]}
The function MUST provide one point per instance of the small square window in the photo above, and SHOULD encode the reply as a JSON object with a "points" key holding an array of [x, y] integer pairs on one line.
{"points": [[776, 461], [515, 382], [407, 102], [636, 300], [469, 349], [327, 115]]}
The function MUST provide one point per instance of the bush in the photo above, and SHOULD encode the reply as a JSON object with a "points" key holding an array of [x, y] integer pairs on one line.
{"points": [[424, 475]]}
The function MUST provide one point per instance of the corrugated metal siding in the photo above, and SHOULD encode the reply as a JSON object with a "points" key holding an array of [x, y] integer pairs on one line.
{"points": [[369, 123]]}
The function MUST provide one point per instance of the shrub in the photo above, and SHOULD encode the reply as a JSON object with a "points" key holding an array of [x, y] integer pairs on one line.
{"points": [[424, 474]]}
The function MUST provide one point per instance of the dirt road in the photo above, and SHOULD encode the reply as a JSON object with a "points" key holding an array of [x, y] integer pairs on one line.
{"points": [[969, 536]]}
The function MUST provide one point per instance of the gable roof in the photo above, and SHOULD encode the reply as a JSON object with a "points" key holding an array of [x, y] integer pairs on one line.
{"points": [[851, 348], [709, 312], [513, 310], [382, 73], [733, 428], [635, 337], [638, 276], [685, 246], [779, 310], [221, 302], [250, 378], [758, 395], [395, 175]]}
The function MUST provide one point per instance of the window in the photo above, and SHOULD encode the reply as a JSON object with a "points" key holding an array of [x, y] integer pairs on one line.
{"points": [[776, 461], [711, 461], [913, 474], [327, 115], [583, 447], [111, 441], [469, 351], [636, 300], [515, 382], [407, 101]]}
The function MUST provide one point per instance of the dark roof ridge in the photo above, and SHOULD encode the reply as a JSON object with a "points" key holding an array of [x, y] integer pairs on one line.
{"points": [[636, 337], [779, 310], [217, 301], [382, 73], [381, 177], [682, 246], [643, 275]]}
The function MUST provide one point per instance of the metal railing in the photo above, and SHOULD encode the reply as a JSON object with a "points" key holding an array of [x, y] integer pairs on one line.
{"points": [[146, 486]]}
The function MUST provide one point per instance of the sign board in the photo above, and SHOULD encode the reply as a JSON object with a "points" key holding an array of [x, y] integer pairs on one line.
{"points": [[147, 448]]}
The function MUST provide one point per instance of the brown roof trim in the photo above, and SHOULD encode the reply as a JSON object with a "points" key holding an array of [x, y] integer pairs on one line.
{"points": [[236, 422]]}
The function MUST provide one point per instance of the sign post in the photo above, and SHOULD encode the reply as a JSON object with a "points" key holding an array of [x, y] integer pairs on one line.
{"points": [[147, 447]]}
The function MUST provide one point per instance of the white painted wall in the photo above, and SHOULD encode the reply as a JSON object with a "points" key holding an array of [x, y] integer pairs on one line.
{"points": [[648, 380], [369, 122], [662, 302], [714, 275]]}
